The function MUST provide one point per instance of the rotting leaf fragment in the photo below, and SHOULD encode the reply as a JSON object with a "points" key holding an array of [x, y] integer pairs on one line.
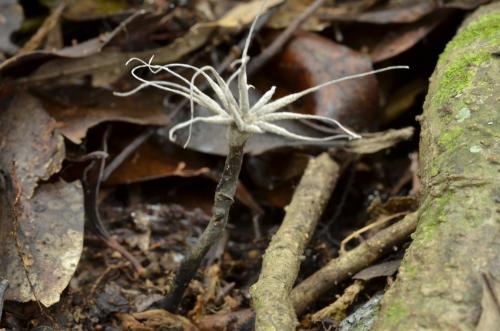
{"points": [[41, 223], [50, 236]]}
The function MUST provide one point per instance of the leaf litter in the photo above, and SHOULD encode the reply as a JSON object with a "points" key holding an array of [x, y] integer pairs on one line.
{"points": [[56, 104]]}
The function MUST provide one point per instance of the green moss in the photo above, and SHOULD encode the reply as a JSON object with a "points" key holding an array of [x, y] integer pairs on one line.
{"points": [[449, 139], [486, 28], [459, 69], [408, 270], [397, 312], [428, 230], [457, 76]]}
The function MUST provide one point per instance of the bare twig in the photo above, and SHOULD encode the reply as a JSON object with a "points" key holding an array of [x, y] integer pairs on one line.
{"points": [[337, 310], [382, 220], [282, 39], [49, 23], [351, 262], [125, 153], [281, 263]]}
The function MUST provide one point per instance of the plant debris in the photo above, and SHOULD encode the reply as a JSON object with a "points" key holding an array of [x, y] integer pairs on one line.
{"points": [[99, 209]]}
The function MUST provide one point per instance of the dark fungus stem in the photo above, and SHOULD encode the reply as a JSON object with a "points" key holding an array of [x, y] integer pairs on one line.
{"points": [[223, 200]]}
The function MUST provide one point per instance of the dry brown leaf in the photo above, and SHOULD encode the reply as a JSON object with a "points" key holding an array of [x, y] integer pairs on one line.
{"points": [[289, 12], [22, 64], [399, 40], [243, 14], [79, 108], [49, 239], [82, 10], [354, 103], [382, 269], [395, 11], [107, 66], [42, 224], [150, 161], [29, 142]]}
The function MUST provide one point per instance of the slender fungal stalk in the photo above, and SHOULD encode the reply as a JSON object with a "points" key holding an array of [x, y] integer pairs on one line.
{"points": [[223, 200]]}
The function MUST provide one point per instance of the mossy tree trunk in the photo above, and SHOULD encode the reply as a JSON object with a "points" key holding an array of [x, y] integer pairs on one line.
{"points": [[457, 241]]}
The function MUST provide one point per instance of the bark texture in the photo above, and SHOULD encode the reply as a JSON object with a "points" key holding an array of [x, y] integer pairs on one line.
{"points": [[457, 240], [280, 266]]}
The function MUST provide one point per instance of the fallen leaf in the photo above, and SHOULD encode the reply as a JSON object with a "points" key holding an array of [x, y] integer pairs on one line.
{"points": [[354, 102], [397, 11], [383, 269], [399, 40], [289, 12], [154, 161], [29, 140], [151, 161], [82, 10], [43, 223], [49, 239], [465, 4], [112, 62], [78, 108], [243, 14], [23, 64]]}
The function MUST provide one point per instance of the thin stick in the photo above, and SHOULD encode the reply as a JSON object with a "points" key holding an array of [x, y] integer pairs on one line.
{"points": [[224, 198], [342, 267], [281, 263], [359, 232], [126, 152], [47, 25], [282, 39], [337, 309]]}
